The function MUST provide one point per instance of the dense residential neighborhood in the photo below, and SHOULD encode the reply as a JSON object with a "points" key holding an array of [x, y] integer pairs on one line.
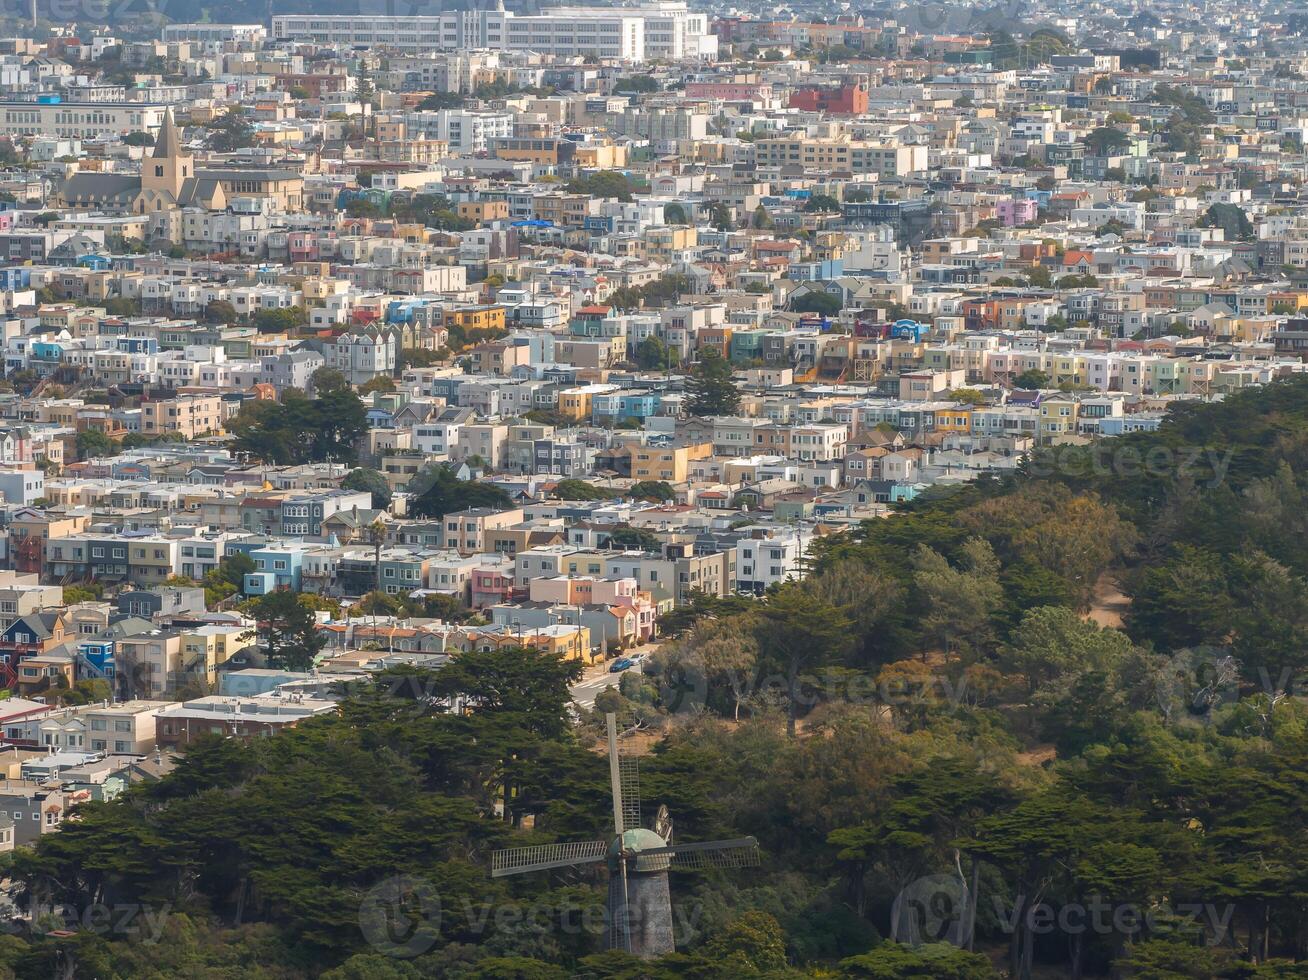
{"points": [[414, 416]]}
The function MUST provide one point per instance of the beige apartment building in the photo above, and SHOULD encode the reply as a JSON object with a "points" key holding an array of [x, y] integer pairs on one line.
{"points": [[668, 463], [149, 664], [127, 728], [188, 416], [206, 648], [885, 159]]}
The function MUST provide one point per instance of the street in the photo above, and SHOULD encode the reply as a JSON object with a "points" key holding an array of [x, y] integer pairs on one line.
{"points": [[597, 677]]}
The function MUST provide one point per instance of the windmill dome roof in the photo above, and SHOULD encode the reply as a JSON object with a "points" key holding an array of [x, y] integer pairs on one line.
{"points": [[637, 839]]}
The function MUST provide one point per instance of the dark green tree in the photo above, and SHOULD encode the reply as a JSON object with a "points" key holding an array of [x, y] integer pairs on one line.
{"points": [[289, 634], [93, 442], [710, 387], [1032, 379], [446, 493], [284, 320], [1232, 219], [602, 183], [373, 482], [652, 354], [799, 632], [816, 301], [659, 491], [580, 490]]}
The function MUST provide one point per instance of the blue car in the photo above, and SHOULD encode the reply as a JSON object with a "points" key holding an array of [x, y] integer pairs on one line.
{"points": [[621, 664]]}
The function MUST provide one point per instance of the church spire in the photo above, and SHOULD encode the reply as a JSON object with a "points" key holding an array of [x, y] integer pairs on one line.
{"points": [[167, 144], [168, 168]]}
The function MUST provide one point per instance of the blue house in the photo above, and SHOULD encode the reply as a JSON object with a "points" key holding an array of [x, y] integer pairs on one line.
{"points": [[138, 345], [99, 654], [16, 277], [45, 350], [632, 405], [380, 418], [817, 271], [901, 492], [275, 567], [1119, 425], [402, 310]]}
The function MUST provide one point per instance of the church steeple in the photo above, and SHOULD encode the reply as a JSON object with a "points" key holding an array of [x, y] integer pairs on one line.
{"points": [[168, 166], [166, 145]]}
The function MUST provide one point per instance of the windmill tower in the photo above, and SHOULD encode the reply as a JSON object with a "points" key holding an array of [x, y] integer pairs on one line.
{"points": [[639, 859]]}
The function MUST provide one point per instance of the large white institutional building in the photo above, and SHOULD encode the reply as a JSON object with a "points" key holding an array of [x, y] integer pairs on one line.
{"points": [[665, 29]]}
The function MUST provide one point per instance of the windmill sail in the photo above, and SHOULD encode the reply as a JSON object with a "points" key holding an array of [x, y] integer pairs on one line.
{"points": [[624, 774], [615, 775], [521, 860], [740, 853], [639, 907], [629, 778]]}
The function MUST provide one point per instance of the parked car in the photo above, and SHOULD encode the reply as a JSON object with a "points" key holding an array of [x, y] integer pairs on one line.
{"points": [[621, 664]]}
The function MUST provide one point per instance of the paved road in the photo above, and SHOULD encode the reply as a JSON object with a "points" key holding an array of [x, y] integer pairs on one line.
{"points": [[585, 692], [597, 678]]}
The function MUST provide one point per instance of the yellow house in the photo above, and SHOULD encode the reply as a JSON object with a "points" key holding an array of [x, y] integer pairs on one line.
{"points": [[483, 211], [565, 210], [206, 648], [1066, 370], [472, 318], [601, 156], [955, 419], [187, 415], [662, 241], [1288, 300], [670, 463], [572, 642], [575, 403], [1058, 417]]}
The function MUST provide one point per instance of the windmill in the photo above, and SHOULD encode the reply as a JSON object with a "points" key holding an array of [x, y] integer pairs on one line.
{"points": [[639, 907]]}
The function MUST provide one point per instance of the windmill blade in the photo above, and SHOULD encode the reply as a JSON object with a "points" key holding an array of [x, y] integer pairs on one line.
{"points": [[629, 778], [739, 853], [615, 772], [624, 780], [521, 860]]}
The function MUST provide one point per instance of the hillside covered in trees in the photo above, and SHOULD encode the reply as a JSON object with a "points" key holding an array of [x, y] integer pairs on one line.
{"points": [[931, 735]]}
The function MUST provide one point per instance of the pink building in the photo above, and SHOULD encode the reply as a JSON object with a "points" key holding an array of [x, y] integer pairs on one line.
{"points": [[1016, 211], [730, 91], [634, 610], [490, 586]]}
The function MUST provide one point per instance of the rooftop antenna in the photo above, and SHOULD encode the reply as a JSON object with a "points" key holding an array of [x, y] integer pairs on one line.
{"points": [[639, 908]]}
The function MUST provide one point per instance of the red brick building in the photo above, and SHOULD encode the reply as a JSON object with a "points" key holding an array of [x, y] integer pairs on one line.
{"points": [[849, 99]]}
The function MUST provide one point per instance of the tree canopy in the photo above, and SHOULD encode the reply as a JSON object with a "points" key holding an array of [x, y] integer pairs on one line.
{"points": [[439, 492], [299, 429], [710, 387], [944, 730]]}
